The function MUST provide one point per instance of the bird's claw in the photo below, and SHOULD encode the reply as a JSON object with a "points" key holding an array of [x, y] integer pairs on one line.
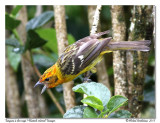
{"points": [[86, 79], [87, 76]]}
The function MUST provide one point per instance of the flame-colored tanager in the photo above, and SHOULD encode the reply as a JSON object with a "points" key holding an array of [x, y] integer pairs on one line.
{"points": [[82, 56]]}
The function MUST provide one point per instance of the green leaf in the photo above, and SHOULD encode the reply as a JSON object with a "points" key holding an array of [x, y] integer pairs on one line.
{"points": [[115, 102], [10, 22], [50, 35], [16, 10], [93, 102], [71, 39], [43, 60], [89, 113], [73, 11], [39, 20], [31, 11], [13, 58], [15, 43], [76, 112], [94, 89], [19, 49], [149, 95], [12, 42], [121, 114], [34, 40]]}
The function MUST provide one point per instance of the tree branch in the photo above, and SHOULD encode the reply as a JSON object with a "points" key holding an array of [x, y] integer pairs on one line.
{"points": [[11, 87], [141, 28], [96, 20], [119, 57], [61, 34], [12, 94], [28, 74], [38, 10]]}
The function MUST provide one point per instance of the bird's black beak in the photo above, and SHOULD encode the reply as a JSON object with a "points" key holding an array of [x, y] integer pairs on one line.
{"points": [[39, 83]]}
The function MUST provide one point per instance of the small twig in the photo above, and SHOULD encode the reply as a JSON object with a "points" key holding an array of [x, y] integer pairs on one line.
{"points": [[55, 101], [36, 70], [96, 20], [38, 10]]}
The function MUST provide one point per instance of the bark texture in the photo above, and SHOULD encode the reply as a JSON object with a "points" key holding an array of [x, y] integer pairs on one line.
{"points": [[31, 95], [61, 34], [101, 67], [96, 17], [12, 93], [119, 57], [141, 28]]}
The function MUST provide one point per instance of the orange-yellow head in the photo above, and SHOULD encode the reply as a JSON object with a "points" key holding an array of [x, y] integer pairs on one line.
{"points": [[49, 79]]}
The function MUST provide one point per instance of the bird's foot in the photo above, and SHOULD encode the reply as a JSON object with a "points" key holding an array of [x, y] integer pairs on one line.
{"points": [[87, 76], [86, 79]]}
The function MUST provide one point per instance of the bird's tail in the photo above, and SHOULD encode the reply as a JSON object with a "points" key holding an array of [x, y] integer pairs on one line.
{"points": [[128, 45]]}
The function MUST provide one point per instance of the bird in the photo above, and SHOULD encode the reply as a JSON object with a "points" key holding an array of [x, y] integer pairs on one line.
{"points": [[83, 55]]}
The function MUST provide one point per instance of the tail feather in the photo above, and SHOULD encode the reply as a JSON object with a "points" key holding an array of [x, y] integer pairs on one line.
{"points": [[129, 45]]}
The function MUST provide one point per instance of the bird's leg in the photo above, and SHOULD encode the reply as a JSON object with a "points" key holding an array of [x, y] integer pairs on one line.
{"points": [[87, 76]]}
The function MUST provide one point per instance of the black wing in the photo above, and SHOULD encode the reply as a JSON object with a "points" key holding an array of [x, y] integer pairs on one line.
{"points": [[79, 55]]}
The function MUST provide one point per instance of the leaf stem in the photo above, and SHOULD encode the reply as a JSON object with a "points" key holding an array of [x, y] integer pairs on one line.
{"points": [[17, 36], [31, 57], [106, 116], [102, 113]]}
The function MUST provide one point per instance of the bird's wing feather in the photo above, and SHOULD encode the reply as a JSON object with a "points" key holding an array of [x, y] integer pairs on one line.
{"points": [[78, 56]]}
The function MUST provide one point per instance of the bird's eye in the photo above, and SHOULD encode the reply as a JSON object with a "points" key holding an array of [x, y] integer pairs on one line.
{"points": [[47, 79]]}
